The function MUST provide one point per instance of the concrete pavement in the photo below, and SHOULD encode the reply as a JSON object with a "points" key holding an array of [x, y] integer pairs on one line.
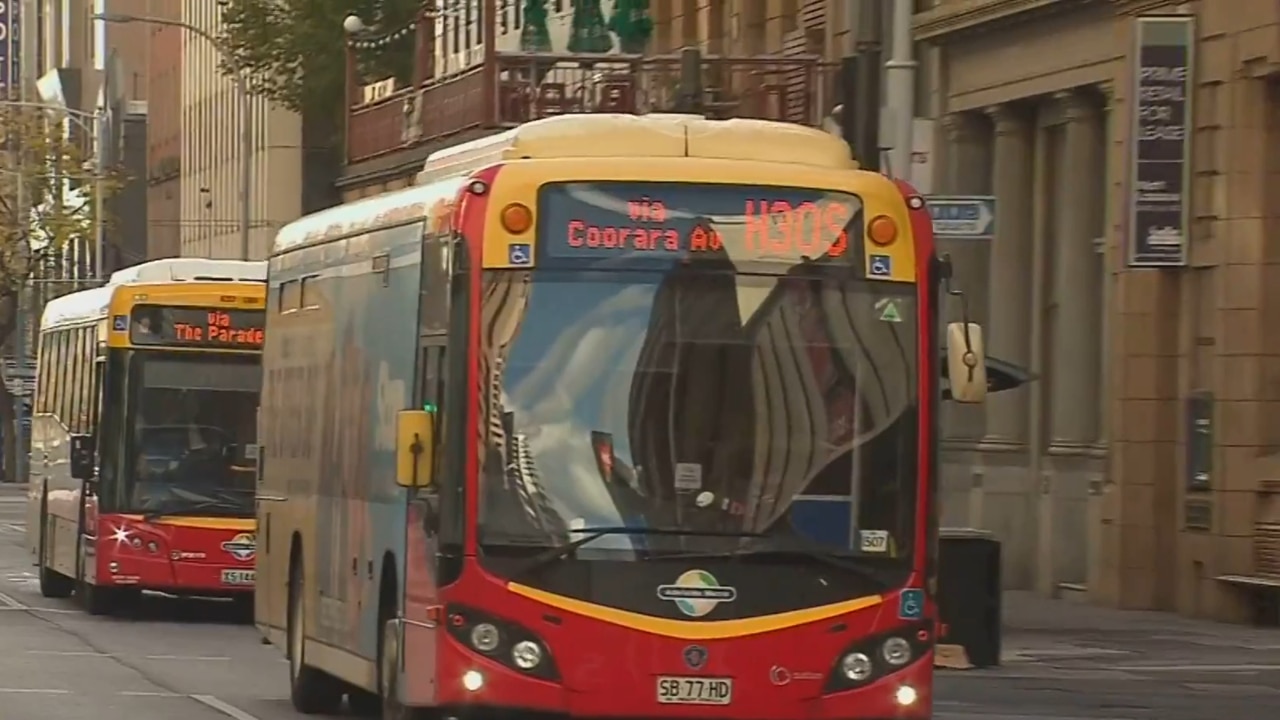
{"points": [[1061, 661], [1064, 661]]}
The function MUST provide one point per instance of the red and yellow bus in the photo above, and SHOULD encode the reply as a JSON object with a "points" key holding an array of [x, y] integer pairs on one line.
{"points": [[144, 434], [610, 416]]}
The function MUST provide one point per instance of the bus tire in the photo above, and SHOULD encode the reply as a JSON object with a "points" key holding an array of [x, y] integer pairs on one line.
{"points": [[311, 691], [53, 584], [95, 599]]}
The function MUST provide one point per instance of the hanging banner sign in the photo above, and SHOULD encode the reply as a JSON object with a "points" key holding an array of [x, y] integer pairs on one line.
{"points": [[1160, 174]]}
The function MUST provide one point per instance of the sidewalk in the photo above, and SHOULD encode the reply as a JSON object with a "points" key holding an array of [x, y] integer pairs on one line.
{"points": [[8, 490], [1060, 634], [1068, 661]]}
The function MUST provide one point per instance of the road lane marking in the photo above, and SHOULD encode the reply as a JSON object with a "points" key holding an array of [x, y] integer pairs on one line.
{"points": [[144, 693], [29, 609], [185, 657], [225, 708], [33, 691], [9, 602], [90, 653], [1193, 668]]}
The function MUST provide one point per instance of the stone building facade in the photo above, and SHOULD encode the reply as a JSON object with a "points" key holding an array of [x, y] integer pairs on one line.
{"points": [[1086, 474]]}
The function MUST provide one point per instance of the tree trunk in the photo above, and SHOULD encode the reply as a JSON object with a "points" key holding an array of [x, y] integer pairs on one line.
{"points": [[8, 420], [9, 426]]}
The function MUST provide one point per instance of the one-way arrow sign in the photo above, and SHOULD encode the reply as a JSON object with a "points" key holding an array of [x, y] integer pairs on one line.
{"points": [[969, 217]]}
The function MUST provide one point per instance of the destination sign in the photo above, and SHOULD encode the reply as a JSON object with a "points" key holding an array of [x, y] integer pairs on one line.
{"points": [[197, 327], [602, 220]]}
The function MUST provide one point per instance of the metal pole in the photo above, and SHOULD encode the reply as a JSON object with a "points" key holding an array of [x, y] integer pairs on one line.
{"points": [[26, 66], [99, 221], [900, 88], [246, 157]]}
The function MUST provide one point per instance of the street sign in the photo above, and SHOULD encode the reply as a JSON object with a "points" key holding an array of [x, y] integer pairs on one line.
{"points": [[967, 217]]}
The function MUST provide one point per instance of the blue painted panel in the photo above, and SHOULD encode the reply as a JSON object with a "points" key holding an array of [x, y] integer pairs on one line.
{"points": [[828, 521]]}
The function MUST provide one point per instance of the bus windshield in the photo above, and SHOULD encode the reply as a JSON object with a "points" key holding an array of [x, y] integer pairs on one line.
{"points": [[706, 402], [192, 436]]}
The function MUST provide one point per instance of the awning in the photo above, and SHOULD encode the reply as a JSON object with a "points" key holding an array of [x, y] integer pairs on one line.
{"points": [[1001, 376]]}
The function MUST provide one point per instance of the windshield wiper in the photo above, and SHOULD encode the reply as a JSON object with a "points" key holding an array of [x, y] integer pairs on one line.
{"points": [[190, 508], [797, 546], [595, 533]]}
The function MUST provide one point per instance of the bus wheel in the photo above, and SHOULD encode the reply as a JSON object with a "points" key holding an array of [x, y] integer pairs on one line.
{"points": [[364, 703], [311, 691], [53, 584], [96, 600]]}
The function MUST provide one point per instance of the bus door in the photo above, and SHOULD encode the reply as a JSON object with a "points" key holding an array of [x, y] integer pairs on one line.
{"points": [[422, 527]]}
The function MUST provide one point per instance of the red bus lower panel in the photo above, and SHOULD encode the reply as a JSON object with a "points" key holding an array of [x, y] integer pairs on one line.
{"points": [[195, 556], [505, 690], [595, 668]]}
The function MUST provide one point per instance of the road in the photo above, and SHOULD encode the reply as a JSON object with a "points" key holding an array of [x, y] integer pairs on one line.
{"points": [[200, 662]]}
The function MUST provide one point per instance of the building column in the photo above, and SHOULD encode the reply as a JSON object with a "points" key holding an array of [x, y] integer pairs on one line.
{"points": [[1075, 382], [968, 154], [1009, 323]]}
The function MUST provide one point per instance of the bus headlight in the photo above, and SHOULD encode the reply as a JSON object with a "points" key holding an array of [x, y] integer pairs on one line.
{"points": [[526, 654], [485, 637], [896, 651], [856, 666]]}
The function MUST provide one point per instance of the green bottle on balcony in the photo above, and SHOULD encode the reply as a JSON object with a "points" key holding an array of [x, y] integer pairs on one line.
{"points": [[534, 36], [588, 33], [633, 24]]}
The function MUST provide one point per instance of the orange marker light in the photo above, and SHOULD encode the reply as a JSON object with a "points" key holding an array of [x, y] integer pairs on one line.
{"points": [[882, 230], [516, 218]]}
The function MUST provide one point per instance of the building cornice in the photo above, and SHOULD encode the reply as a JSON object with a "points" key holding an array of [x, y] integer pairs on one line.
{"points": [[957, 16]]}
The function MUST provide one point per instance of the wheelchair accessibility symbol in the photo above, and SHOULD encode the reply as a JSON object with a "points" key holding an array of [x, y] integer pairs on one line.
{"points": [[880, 266], [911, 604], [519, 254]]}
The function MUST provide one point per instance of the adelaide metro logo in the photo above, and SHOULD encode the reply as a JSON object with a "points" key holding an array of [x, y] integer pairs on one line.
{"points": [[697, 592], [241, 547]]}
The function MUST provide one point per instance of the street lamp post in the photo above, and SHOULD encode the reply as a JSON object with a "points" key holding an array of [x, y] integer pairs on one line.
{"points": [[241, 79]]}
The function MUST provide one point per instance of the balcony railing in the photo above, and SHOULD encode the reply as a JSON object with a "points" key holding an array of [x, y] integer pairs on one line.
{"points": [[514, 88]]}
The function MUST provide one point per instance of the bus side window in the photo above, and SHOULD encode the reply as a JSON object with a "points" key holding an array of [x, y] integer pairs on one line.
{"points": [[42, 375], [83, 379], [59, 405], [95, 393], [434, 312], [72, 416], [430, 385]]}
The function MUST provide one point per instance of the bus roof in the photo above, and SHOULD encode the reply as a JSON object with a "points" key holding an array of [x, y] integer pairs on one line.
{"points": [[92, 304], [659, 135], [573, 136], [367, 214], [192, 270]]}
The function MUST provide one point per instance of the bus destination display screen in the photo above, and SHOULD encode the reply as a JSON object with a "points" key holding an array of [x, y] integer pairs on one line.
{"points": [[638, 220], [197, 327]]}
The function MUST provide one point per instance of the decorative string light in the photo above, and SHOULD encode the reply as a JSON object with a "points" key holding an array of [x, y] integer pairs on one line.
{"points": [[431, 11]]}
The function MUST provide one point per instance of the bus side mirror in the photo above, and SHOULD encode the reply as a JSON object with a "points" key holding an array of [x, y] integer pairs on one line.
{"points": [[82, 454], [966, 362], [415, 442]]}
